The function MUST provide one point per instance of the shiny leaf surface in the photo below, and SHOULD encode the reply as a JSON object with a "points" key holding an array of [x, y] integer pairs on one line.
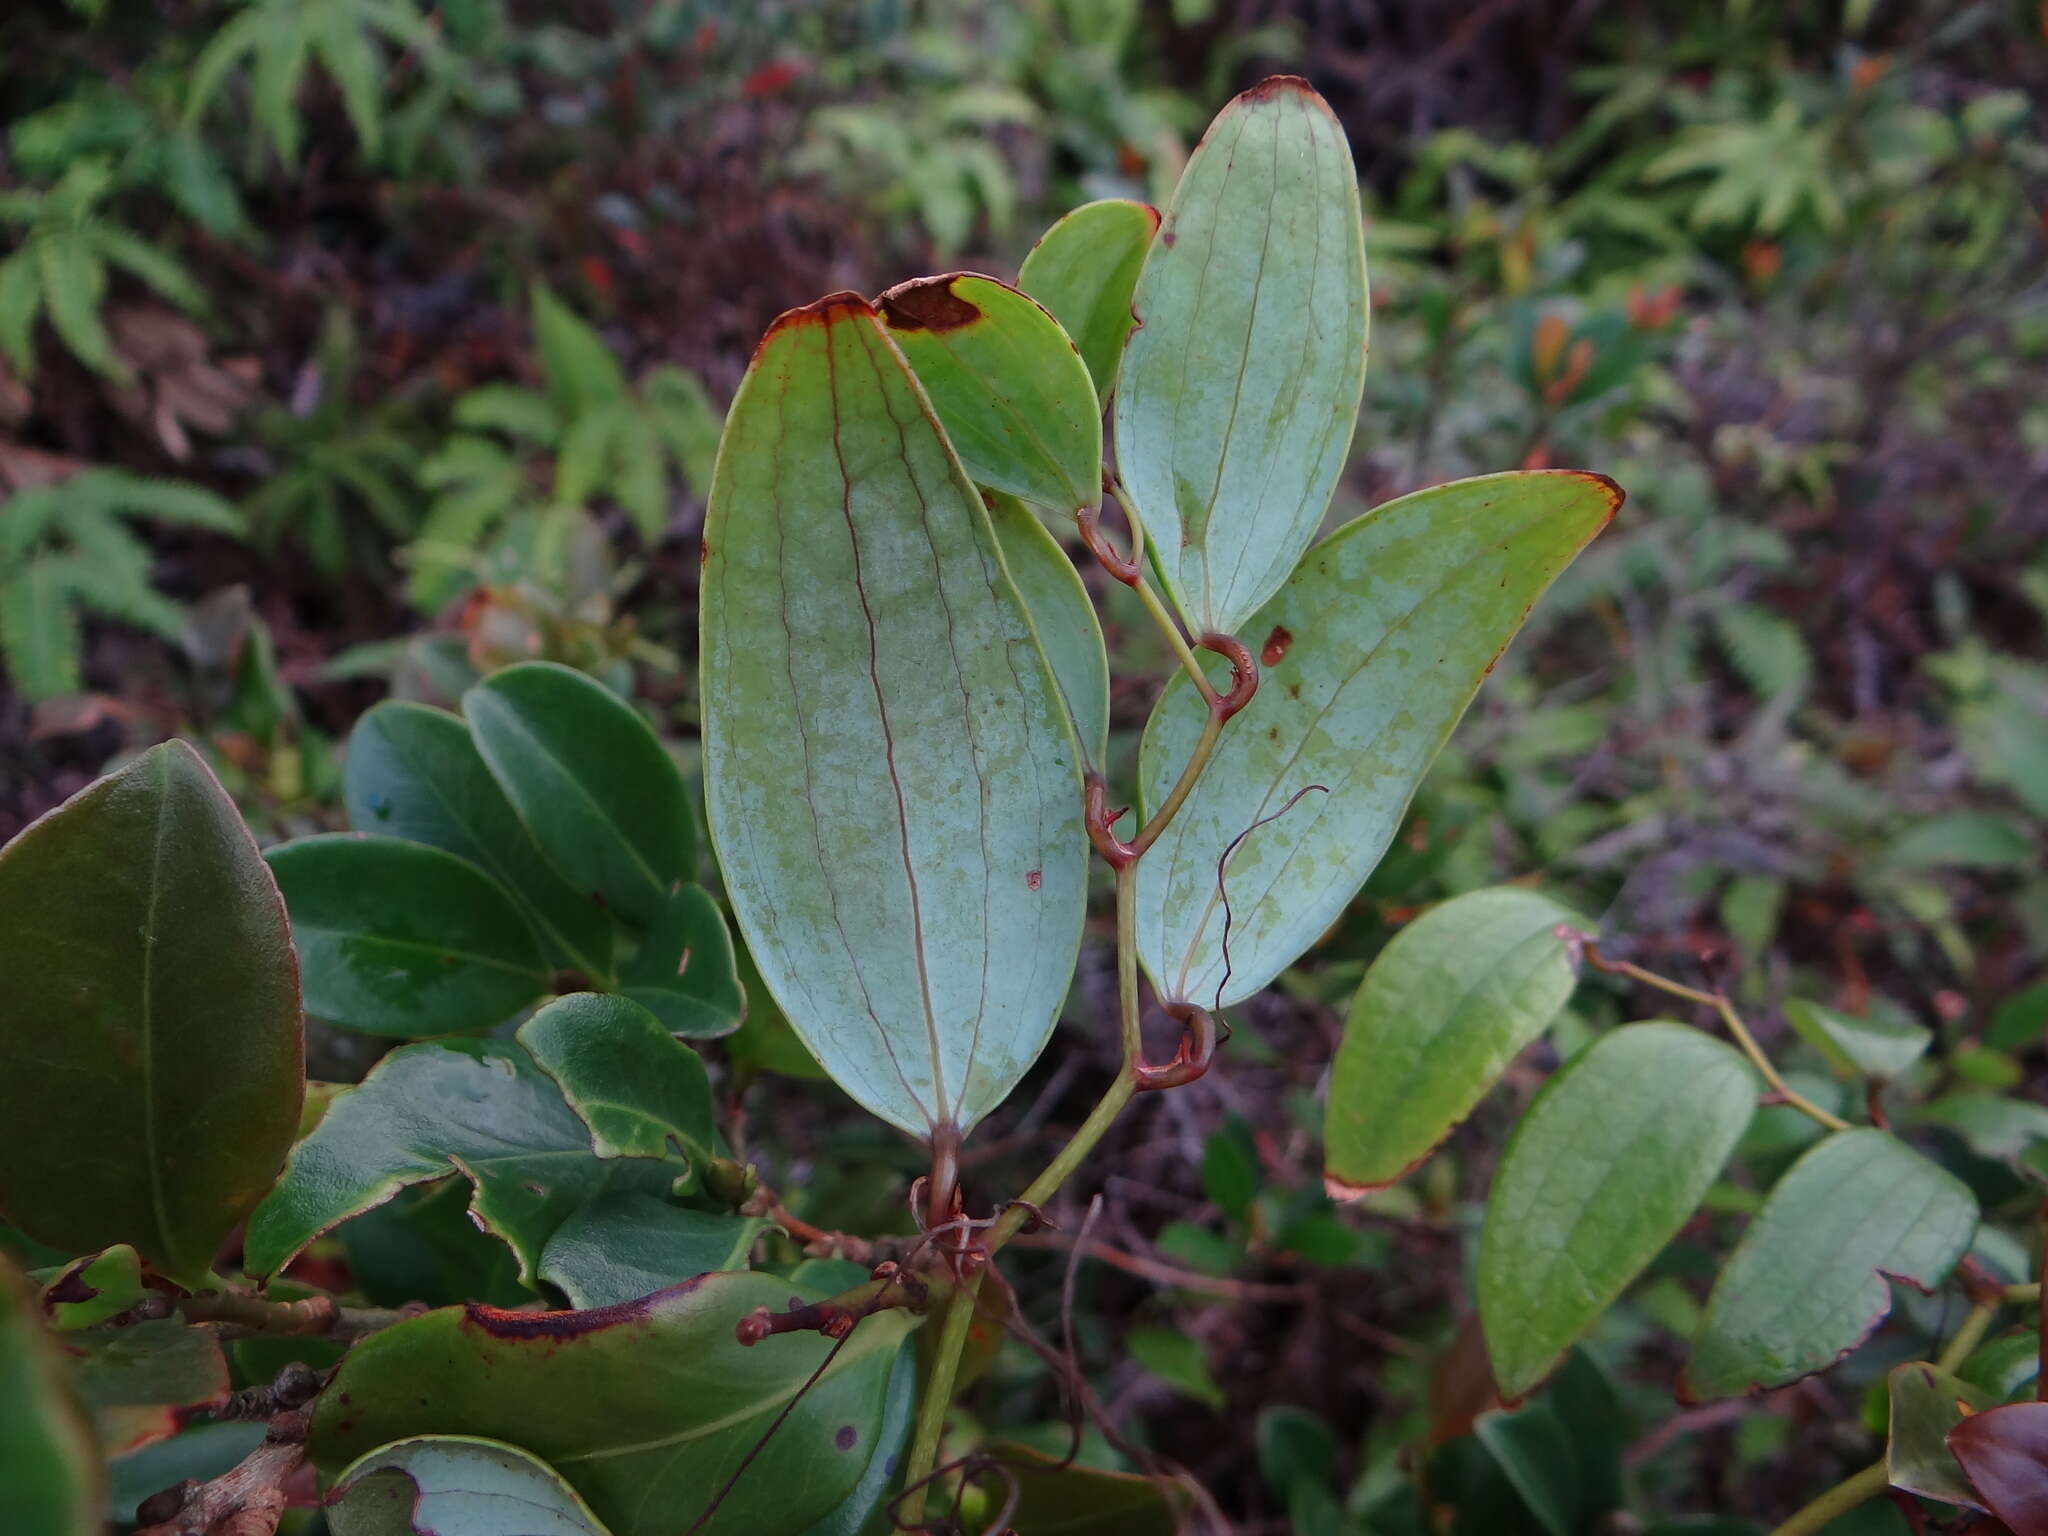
{"points": [[891, 780], [685, 972], [2004, 1453], [1812, 1275], [1083, 270], [455, 1485], [399, 938], [598, 793], [641, 1091], [1370, 654], [624, 1246], [1240, 387], [1008, 386], [646, 1408], [152, 1016], [1444, 1008], [1600, 1173]]}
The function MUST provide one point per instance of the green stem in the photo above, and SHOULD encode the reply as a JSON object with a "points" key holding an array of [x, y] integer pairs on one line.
{"points": [[1205, 748], [2020, 1295], [1170, 627], [1836, 1502], [938, 1397], [1970, 1335]]}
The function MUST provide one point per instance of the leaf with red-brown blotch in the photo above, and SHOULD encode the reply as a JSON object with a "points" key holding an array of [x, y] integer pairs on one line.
{"points": [[2004, 1451]]}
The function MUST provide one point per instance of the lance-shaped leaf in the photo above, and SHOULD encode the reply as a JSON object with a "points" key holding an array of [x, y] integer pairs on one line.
{"points": [[414, 772], [1083, 271], [455, 1485], [646, 1408], [1009, 388], [399, 938], [1068, 630], [1443, 1010], [1240, 386], [1926, 1403], [50, 1468], [153, 1046], [685, 972], [639, 1089], [891, 779], [1370, 654], [590, 781], [2004, 1453], [1812, 1276], [1877, 1047], [480, 1108], [627, 1245], [1600, 1174]]}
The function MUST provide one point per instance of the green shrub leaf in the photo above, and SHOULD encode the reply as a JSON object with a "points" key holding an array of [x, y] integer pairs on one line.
{"points": [[1068, 631], [1008, 386], [1370, 654], [480, 1108], [400, 938], [1240, 387], [414, 772], [597, 791], [639, 1089], [455, 1485], [152, 1016], [1070, 1500], [1600, 1174], [892, 783], [50, 1466], [1443, 1010], [686, 972], [1812, 1276], [1926, 1403], [646, 1408], [1083, 270], [1878, 1047], [627, 1245]]}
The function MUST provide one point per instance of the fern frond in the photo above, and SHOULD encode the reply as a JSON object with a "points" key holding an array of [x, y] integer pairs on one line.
{"points": [[74, 281], [162, 271], [21, 301], [1766, 649], [38, 633]]}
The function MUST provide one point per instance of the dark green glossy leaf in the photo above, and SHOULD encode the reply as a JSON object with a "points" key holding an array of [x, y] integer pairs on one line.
{"points": [[624, 1246], [1086, 1501], [1926, 1404], [1877, 1047], [152, 1017], [1995, 1126], [480, 1108], [1370, 653], [2004, 1453], [892, 784], [1083, 270], [1240, 387], [414, 772], [90, 1290], [1533, 1448], [400, 938], [421, 1246], [2002, 1366], [597, 791], [455, 1485], [646, 1408], [641, 1091], [1063, 616], [50, 1469], [685, 972], [1443, 1010], [1007, 385], [1812, 1276], [135, 1380], [1600, 1174], [860, 1510]]}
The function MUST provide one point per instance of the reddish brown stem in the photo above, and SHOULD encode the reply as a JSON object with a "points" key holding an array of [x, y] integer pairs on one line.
{"points": [[1101, 822], [1197, 1050], [1244, 674], [1089, 521]]}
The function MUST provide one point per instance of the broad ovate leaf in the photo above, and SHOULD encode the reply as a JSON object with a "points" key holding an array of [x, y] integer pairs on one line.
{"points": [[1068, 630], [414, 772], [455, 1485], [685, 971], [1450, 1001], [1609, 1162], [597, 791], [1009, 388], [1878, 1046], [647, 1408], [1369, 655], [50, 1468], [1239, 389], [480, 1108], [642, 1092], [891, 779], [1083, 270], [400, 938], [153, 1044], [631, 1244], [1812, 1275]]}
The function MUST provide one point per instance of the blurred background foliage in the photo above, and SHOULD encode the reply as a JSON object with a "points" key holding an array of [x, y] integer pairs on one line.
{"points": [[354, 346]]}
